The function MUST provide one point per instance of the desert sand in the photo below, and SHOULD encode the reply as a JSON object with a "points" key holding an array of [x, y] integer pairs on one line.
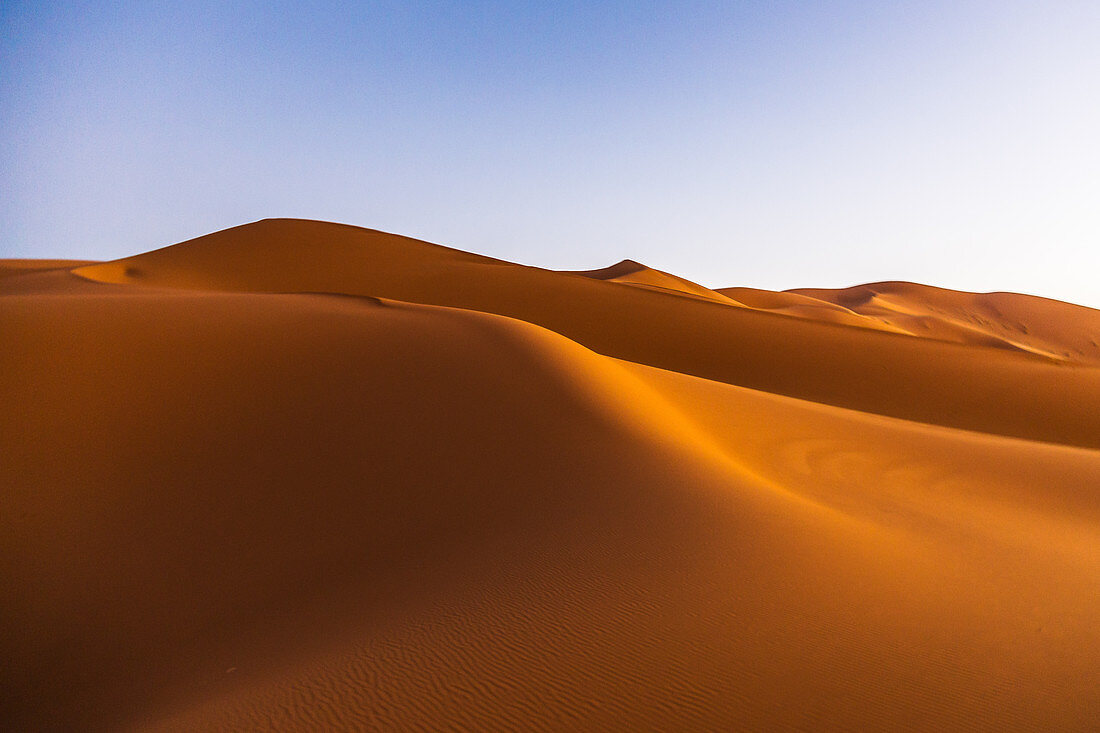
{"points": [[305, 476]]}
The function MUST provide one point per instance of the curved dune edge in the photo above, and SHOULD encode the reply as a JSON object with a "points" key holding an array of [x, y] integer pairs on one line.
{"points": [[320, 508]]}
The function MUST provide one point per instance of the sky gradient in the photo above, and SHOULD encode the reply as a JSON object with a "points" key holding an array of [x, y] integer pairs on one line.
{"points": [[767, 144]]}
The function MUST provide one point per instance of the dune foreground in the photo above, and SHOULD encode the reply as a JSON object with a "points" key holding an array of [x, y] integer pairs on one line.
{"points": [[305, 476]]}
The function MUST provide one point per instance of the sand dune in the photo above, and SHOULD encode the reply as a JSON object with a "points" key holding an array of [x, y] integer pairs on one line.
{"points": [[1048, 327], [629, 272], [305, 476], [990, 389]]}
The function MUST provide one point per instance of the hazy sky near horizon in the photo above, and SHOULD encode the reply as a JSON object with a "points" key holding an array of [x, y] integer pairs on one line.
{"points": [[769, 144]]}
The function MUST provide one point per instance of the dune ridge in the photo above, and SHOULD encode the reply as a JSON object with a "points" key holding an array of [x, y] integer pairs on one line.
{"points": [[306, 476], [629, 272], [1048, 327]]}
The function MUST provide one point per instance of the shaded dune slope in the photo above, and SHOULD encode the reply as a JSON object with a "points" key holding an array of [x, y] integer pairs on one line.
{"points": [[304, 476]]}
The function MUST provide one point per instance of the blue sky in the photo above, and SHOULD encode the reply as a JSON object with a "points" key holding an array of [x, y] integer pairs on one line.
{"points": [[770, 144]]}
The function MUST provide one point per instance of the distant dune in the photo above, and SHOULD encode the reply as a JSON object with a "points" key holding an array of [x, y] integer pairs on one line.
{"points": [[305, 476]]}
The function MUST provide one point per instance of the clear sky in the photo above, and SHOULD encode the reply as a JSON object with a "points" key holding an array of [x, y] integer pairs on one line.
{"points": [[769, 144]]}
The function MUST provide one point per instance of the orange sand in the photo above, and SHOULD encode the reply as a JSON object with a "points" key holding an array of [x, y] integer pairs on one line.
{"points": [[298, 475]]}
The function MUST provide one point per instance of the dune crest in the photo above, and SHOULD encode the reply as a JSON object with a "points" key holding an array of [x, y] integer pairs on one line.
{"points": [[305, 476], [634, 273]]}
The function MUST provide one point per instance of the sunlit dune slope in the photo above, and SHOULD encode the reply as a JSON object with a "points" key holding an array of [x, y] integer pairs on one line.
{"points": [[303, 476]]}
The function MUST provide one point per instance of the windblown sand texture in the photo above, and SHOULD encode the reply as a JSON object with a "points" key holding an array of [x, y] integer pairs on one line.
{"points": [[305, 476]]}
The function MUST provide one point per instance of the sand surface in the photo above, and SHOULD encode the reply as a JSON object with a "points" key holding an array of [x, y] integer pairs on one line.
{"points": [[305, 476]]}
